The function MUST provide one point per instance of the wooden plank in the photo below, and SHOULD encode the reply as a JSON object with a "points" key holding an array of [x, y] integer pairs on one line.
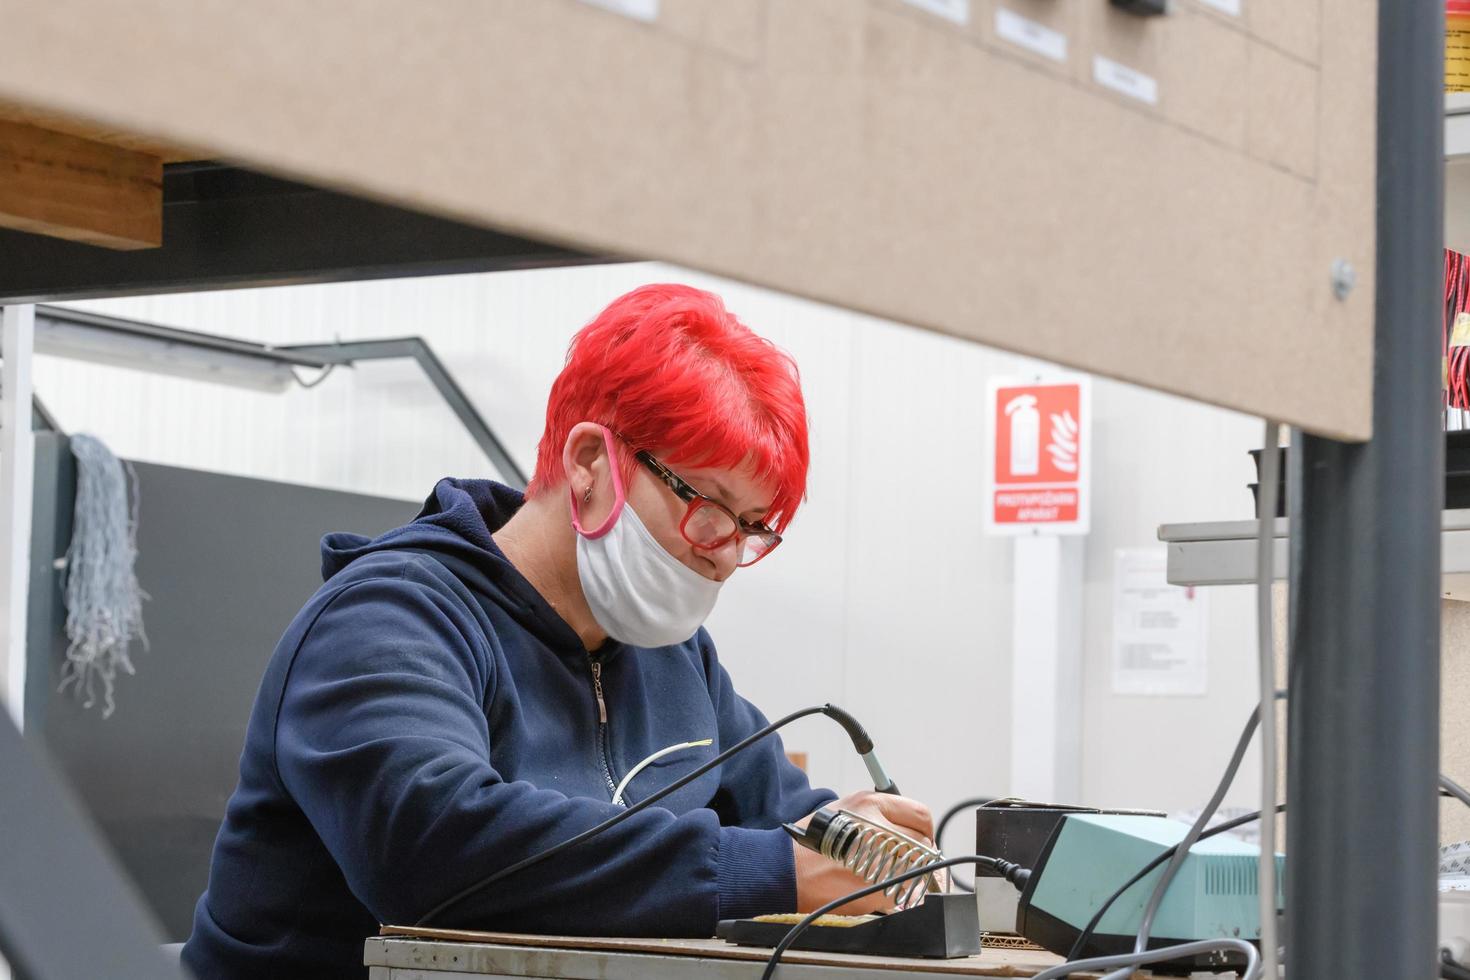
{"points": [[79, 189], [991, 962]]}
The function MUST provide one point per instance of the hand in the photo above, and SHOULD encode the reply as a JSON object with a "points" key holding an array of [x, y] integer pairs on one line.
{"points": [[820, 880]]}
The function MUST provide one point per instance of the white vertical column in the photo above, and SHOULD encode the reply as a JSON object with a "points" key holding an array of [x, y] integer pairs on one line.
{"points": [[17, 466], [1046, 669]]}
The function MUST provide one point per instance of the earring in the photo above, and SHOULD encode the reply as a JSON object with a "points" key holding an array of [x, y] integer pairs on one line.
{"points": [[587, 497]]}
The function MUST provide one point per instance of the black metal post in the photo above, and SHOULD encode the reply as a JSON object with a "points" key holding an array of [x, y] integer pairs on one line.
{"points": [[1363, 760]]}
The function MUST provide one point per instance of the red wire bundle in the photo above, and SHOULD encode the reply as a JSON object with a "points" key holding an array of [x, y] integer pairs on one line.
{"points": [[1457, 355]]}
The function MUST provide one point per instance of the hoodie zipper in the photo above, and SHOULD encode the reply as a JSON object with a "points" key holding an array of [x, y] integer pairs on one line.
{"points": [[612, 785]]}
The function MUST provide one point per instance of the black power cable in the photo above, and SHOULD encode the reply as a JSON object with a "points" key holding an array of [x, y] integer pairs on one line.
{"points": [[860, 740], [949, 815]]}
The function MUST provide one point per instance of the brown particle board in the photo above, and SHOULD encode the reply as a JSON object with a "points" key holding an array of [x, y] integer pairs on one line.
{"points": [[1064, 18], [857, 152], [1204, 64], [1283, 111], [56, 122], [1296, 27], [1125, 38], [1454, 699]]}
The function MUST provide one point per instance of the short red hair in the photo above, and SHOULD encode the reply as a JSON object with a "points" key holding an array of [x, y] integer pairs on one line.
{"points": [[670, 369]]}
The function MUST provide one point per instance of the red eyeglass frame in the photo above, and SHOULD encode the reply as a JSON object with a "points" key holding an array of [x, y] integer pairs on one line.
{"points": [[694, 500]]}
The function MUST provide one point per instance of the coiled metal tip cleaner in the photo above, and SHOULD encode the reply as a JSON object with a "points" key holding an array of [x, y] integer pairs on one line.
{"points": [[871, 851]]}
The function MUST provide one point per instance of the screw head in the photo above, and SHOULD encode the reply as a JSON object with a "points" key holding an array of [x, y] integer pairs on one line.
{"points": [[1344, 278]]}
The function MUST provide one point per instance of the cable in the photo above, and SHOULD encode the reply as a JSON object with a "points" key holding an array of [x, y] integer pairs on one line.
{"points": [[1126, 963], [1454, 789], [1180, 851], [1012, 872], [949, 815], [1266, 663], [854, 729], [1449, 969], [1081, 942], [1229, 825], [1264, 715], [650, 760], [326, 371]]}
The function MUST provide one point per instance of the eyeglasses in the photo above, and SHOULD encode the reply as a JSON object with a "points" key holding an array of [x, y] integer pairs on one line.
{"points": [[709, 524]]}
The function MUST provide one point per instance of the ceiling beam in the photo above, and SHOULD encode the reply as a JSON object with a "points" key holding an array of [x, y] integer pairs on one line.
{"points": [[227, 228]]}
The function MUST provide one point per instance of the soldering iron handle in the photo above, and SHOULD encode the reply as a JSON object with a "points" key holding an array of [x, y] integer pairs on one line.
{"points": [[863, 743]]}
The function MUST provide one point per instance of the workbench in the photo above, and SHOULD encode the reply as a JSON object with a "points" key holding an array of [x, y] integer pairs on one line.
{"points": [[431, 954]]}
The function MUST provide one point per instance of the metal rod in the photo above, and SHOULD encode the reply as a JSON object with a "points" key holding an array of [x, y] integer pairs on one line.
{"points": [[17, 461], [1365, 579], [314, 356], [350, 352], [175, 336]]}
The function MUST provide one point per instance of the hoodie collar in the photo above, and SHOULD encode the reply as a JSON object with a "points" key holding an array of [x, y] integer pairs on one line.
{"points": [[457, 525]]}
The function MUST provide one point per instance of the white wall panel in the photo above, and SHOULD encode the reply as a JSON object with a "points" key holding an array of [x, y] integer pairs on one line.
{"points": [[1161, 460], [886, 598]]}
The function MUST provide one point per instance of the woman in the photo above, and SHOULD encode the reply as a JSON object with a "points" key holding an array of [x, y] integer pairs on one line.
{"points": [[472, 688]]}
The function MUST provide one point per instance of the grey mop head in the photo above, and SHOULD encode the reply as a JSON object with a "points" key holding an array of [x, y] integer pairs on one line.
{"points": [[104, 604]]}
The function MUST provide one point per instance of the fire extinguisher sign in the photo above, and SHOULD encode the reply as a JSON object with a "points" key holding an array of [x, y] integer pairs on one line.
{"points": [[1041, 456]]}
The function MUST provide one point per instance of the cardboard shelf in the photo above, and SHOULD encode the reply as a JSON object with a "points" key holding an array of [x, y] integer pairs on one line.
{"points": [[1224, 553]]}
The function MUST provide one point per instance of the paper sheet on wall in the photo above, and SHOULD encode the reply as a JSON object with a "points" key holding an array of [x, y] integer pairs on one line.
{"points": [[1159, 630]]}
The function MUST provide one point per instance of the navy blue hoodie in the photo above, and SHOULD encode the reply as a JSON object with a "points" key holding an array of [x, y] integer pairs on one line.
{"points": [[428, 719]]}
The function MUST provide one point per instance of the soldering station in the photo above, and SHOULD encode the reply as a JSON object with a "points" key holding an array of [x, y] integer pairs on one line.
{"points": [[1084, 883]]}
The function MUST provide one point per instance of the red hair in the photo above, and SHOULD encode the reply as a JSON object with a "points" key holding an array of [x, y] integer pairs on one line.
{"points": [[672, 371]]}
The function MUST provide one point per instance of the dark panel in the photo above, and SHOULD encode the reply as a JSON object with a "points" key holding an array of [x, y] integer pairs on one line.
{"points": [[227, 562], [224, 227], [66, 910], [53, 498]]}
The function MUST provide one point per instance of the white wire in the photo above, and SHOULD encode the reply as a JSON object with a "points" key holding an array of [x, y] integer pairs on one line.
{"points": [[1266, 661], [618, 793]]}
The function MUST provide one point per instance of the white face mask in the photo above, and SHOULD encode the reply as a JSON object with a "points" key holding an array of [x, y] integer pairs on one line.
{"points": [[637, 591]]}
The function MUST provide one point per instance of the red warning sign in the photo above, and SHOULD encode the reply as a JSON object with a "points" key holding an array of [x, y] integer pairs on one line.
{"points": [[1040, 466]]}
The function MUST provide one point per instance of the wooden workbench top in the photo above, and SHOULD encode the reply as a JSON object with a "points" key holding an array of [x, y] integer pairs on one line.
{"points": [[989, 963]]}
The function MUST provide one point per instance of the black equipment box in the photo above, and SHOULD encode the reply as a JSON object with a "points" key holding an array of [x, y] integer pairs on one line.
{"points": [[1456, 474], [1017, 831]]}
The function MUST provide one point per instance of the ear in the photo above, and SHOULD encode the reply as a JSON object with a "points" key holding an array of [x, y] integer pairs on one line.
{"points": [[593, 480], [585, 458]]}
